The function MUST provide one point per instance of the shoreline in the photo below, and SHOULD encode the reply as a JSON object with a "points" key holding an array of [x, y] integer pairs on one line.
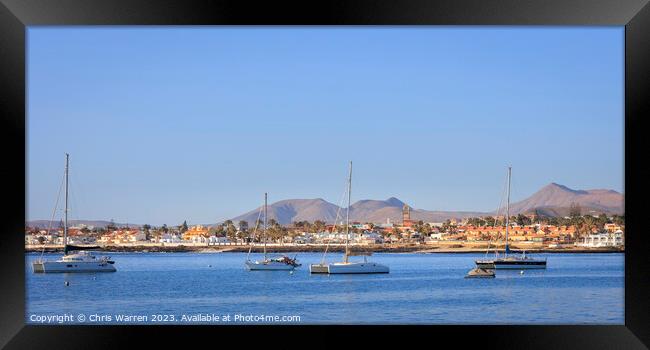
{"points": [[422, 249]]}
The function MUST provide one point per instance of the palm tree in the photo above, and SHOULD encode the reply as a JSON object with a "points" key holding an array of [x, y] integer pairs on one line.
{"points": [[444, 227], [276, 231], [231, 232], [619, 220], [602, 220], [396, 231], [145, 229], [590, 223], [319, 225]]}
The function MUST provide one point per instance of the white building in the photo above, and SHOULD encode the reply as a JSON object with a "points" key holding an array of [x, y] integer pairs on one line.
{"points": [[218, 240], [137, 236], [81, 240], [199, 239], [607, 239], [436, 236], [170, 238], [304, 238], [335, 237], [369, 238], [387, 224], [33, 239]]}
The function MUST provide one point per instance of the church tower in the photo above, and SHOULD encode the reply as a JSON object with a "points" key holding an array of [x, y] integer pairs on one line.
{"points": [[406, 216]]}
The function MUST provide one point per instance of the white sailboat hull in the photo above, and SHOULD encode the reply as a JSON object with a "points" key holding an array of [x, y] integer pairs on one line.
{"points": [[318, 268], [77, 266], [268, 266], [357, 268]]}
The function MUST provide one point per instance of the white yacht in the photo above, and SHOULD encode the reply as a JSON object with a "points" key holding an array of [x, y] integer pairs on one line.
{"points": [[345, 266], [82, 260], [276, 263], [356, 267]]}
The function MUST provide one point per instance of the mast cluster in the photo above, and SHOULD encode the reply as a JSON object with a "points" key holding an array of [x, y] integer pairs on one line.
{"points": [[347, 214], [508, 211], [65, 211]]}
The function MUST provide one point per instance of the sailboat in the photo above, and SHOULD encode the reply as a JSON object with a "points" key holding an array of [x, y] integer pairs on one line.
{"points": [[278, 263], [513, 262], [345, 266], [80, 261]]}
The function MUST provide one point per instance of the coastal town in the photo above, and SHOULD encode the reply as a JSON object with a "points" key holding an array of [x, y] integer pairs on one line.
{"points": [[200, 177], [527, 232]]}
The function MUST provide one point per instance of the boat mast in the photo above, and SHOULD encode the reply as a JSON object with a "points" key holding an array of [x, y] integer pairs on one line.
{"points": [[347, 215], [265, 196], [252, 243], [508, 211], [65, 211]]}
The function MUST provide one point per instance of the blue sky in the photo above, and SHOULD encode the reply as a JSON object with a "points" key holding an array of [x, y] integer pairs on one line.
{"points": [[166, 124]]}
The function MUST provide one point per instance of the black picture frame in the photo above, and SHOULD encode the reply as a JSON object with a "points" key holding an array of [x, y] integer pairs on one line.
{"points": [[16, 15]]}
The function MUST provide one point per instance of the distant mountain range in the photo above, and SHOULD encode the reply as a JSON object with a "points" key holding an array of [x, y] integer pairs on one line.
{"points": [[378, 211], [290, 210], [556, 200], [551, 200]]}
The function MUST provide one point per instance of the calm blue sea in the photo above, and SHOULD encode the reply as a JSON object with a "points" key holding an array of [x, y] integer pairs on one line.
{"points": [[216, 288]]}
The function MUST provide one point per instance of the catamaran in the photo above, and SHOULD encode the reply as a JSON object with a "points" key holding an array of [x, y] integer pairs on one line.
{"points": [[345, 266], [82, 260], [513, 262], [276, 263]]}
